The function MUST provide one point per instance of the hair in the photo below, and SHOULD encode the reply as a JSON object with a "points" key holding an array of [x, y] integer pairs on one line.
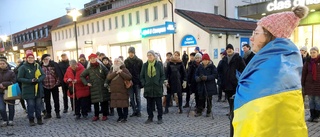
{"points": [[72, 62], [177, 52], [315, 49], [269, 36], [169, 53], [247, 45], [101, 54]]}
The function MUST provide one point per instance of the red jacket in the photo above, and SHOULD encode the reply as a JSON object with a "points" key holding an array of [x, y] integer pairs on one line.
{"points": [[80, 89]]}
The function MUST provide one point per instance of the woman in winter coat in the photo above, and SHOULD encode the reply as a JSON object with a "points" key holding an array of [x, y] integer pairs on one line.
{"points": [[97, 83], [311, 83], [31, 76], [7, 78], [206, 76], [119, 93], [79, 92], [152, 77], [176, 79]]}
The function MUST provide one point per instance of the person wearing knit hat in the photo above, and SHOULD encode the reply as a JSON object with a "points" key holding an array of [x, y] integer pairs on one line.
{"points": [[134, 65], [94, 56], [229, 46], [205, 76], [304, 54], [267, 79]]}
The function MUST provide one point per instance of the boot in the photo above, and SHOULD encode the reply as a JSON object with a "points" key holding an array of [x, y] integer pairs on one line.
{"points": [[180, 110], [58, 115], [312, 116], [166, 110], [47, 116], [31, 122], [39, 121], [186, 105]]}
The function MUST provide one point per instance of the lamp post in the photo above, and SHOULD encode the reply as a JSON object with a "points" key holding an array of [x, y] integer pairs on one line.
{"points": [[74, 13], [4, 39]]}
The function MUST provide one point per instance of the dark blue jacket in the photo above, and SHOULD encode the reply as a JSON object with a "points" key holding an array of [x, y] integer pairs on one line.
{"points": [[209, 86]]}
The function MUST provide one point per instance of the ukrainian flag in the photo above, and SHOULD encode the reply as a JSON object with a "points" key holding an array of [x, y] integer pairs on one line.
{"points": [[268, 101]]}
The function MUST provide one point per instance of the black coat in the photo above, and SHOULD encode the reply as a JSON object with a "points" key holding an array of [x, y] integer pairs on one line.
{"points": [[247, 60], [134, 65], [175, 74], [229, 78], [191, 71], [63, 65], [220, 72], [185, 59], [209, 86]]}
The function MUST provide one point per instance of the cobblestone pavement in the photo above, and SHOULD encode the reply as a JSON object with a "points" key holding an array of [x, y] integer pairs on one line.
{"points": [[174, 125]]}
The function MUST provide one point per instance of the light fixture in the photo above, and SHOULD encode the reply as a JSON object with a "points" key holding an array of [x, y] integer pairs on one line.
{"points": [[74, 13], [264, 14], [237, 36], [220, 35], [15, 48], [312, 10]]}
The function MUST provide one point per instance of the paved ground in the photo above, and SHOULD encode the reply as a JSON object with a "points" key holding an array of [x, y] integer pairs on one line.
{"points": [[174, 125]]}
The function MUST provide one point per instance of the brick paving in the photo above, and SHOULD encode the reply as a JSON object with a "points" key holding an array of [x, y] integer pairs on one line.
{"points": [[174, 125]]}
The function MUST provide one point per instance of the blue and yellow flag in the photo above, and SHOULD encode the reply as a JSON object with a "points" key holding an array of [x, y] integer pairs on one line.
{"points": [[268, 101], [37, 74]]}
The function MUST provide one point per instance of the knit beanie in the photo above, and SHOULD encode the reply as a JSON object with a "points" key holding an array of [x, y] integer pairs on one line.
{"points": [[229, 46], [205, 57], [92, 56], [304, 48], [44, 56], [198, 55], [132, 50], [82, 56], [282, 24], [152, 52]]}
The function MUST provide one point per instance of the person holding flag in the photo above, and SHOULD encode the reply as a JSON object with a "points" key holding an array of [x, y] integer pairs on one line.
{"points": [[31, 76], [268, 100]]}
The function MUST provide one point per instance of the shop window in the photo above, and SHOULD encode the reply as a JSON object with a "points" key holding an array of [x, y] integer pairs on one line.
{"points": [[316, 36], [146, 13], [137, 17], [155, 13], [165, 10], [130, 19]]}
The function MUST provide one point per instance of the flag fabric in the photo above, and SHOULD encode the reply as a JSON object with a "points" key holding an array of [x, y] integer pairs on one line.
{"points": [[268, 101], [37, 75], [13, 92]]}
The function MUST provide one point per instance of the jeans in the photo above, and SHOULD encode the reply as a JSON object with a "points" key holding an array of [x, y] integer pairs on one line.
{"points": [[151, 101], [135, 98], [314, 102], [122, 113], [82, 104], [104, 108], [34, 105], [47, 97], [65, 97], [3, 109]]}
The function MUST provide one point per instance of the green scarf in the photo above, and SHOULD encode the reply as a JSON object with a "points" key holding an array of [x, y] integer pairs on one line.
{"points": [[151, 69]]}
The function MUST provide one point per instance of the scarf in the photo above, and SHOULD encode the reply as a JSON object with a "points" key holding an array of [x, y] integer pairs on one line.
{"points": [[313, 64], [246, 55], [230, 57], [94, 65], [151, 69]]}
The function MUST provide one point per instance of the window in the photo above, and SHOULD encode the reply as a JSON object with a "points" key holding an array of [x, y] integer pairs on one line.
{"points": [[88, 28], [92, 26], [165, 10], [216, 10], [82, 29], [78, 30], [58, 35], [98, 29], [138, 17], [103, 26], [66, 34], [47, 32], [41, 34], [31, 33], [155, 12], [146, 12], [55, 36], [70, 33], [130, 19], [36, 31], [116, 21], [110, 24], [62, 34], [122, 19]]}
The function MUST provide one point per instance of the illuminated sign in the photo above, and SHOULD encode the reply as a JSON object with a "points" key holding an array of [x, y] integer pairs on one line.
{"points": [[188, 40], [280, 5], [167, 28]]}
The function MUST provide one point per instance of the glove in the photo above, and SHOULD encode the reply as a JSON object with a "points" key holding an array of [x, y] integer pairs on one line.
{"points": [[184, 84], [198, 79], [204, 78]]}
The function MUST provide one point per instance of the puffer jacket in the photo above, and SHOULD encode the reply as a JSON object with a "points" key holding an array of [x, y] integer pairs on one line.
{"points": [[81, 90], [119, 93]]}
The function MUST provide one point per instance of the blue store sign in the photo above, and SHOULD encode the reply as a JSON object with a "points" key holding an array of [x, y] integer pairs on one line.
{"points": [[167, 28], [189, 40], [243, 41]]}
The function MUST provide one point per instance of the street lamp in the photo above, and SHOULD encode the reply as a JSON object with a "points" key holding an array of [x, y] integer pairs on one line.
{"points": [[4, 39], [74, 13]]}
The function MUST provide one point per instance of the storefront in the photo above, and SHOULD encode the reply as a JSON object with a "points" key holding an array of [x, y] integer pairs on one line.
{"points": [[308, 32], [188, 43]]}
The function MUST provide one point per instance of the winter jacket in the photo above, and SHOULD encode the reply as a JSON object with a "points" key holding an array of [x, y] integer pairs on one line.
{"points": [[7, 78], [80, 89], [311, 87], [229, 79], [97, 78], [119, 93], [55, 71], [247, 60], [152, 86], [63, 65], [192, 67], [209, 86], [134, 66], [176, 74], [25, 75], [220, 72]]}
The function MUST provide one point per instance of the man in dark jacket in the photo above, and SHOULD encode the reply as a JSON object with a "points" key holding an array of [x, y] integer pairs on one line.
{"points": [[232, 63], [51, 83], [63, 65], [134, 65], [185, 58], [248, 54]]}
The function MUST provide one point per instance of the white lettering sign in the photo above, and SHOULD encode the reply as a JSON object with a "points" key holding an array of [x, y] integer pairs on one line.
{"points": [[280, 5]]}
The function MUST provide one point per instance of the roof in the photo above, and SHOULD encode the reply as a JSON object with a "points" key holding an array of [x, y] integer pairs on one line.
{"points": [[216, 23]]}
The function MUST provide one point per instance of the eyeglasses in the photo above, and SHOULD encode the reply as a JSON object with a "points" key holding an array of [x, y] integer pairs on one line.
{"points": [[254, 33], [2, 63]]}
